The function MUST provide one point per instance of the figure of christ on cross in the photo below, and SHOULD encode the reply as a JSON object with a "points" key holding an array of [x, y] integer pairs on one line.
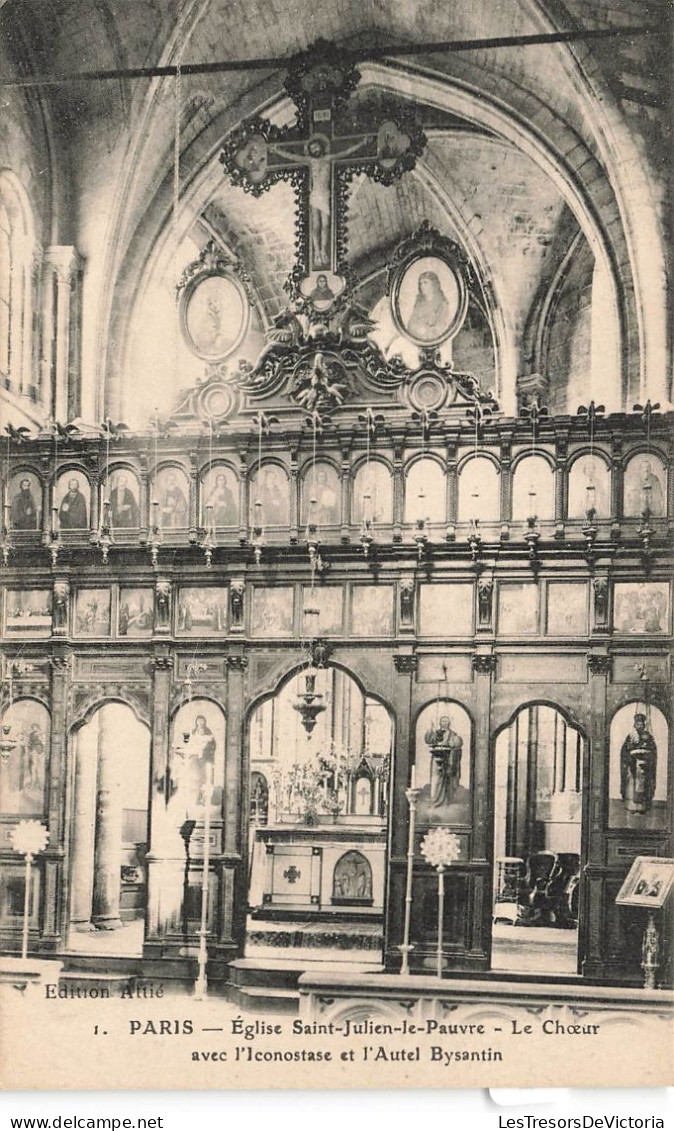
{"points": [[320, 154]]}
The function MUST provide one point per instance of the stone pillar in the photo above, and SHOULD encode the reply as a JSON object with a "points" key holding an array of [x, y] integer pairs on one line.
{"points": [[235, 879], [594, 788], [61, 363], [295, 515], [193, 505], [82, 848], [108, 840], [406, 665], [162, 666], [484, 666], [346, 497]]}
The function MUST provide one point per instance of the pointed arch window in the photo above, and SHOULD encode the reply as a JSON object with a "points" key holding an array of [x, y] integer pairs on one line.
{"points": [[17, 248]]}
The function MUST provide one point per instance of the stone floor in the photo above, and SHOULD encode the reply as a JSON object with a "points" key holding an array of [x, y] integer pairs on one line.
{"points": [[126, 942], [525, 950]]}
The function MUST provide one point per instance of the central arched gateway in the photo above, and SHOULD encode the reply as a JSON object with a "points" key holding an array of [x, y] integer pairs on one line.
{"points": [[320, 751]]}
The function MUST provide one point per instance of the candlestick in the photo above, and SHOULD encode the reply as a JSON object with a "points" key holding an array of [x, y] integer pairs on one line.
{"points": [[412, 795]]}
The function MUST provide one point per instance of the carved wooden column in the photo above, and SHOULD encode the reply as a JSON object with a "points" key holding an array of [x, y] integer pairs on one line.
{"points": [[244, 504], [595, 774], [236, 864], [398, 492], [144, 501], [484, 666], [452, 486], [406, 665], [616, 486], [346, 497], [506, 456], [561, 473], [54, 872], [194, 498], [82, 836], [294, 499], [162, 666]]}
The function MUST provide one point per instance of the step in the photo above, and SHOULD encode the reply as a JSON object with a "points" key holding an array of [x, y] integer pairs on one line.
{"points": [[261, 999], [88, 982]]}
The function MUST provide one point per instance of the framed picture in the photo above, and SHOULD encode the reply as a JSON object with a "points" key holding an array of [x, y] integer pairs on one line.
{"points": [[321, 495], [72, 498], [92, 612], [270, 487], [25, 501], [272, 612], [329, 602], [641, 606], [172, 492], [202, 611], [567, 609], [589, 487], [518, 609], [28, 612], [645, 487], [135, 614], [443, 737], [428, 299], [214, 314], [648, 883], [372, 610], [446, 610], [197, 761], [123, 491], [220, 492], [638, 770], [24, 777]]}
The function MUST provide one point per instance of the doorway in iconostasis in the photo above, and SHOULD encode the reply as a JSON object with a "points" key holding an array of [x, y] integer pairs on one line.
{"points": [[539, 759], [320, 760], [109, 833]]}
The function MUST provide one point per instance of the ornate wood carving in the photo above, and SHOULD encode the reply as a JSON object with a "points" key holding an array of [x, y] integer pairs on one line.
{"points": [[406, 664], [599, 665], [484, 665]]}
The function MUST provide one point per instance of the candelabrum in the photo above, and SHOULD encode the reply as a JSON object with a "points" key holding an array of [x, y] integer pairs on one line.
{"points": [[6, 544], [475, 540], [208, 543], [154, 540], [440, 847], [104, 538], [532, 536], [412, 795], [201, 984], [258, 537], [314, 547], [650, 953], [646, 532], [590, 532], [421, 538], [53, 540]]}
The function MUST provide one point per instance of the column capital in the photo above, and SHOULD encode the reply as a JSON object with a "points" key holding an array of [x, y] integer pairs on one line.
{"points": [[599, 664], [406, 664], [484, 664]]}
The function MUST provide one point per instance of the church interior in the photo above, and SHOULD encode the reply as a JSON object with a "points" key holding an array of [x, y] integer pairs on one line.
{"points": [[337, 490]]}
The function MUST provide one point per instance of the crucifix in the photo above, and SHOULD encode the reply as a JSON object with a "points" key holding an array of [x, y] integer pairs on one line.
{"points": [[319, 159]]}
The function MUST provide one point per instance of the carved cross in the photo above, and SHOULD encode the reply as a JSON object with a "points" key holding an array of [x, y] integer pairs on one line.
{"points": [[319, 160]]}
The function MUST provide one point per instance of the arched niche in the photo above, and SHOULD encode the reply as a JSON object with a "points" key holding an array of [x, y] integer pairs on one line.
{"points": [[219, 497], [352, 880], [425, 491], [442, 763], [122, 489], [171, 493], [479, 491], [638, 757], [533, 489], [196, 760], [589, 487], [313, 772], [321, 495], [23, 776], [645, 486], [109, 824], [372, 493], [72, 498], [25, 500], [269, 496]]}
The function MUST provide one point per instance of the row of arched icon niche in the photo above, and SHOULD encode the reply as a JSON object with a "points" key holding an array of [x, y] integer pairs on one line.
{"points": [[638, 745], [638, 775], [589, 487]]}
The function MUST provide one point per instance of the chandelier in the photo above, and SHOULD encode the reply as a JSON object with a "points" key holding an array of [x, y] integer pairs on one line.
{"points": [[309, 703]]}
